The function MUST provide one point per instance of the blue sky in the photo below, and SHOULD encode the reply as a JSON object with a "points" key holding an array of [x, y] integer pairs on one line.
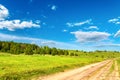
{"points": [[68, 24]]}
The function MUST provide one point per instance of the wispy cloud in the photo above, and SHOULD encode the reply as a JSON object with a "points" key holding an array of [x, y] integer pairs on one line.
{"points": [[13, 37], [108, 45], [92, 27], [53, 7], [14, 24], [117, 34], [90, 36], [64, 30], [43, 16], [48, 43], [115, 20], [78, 23]]}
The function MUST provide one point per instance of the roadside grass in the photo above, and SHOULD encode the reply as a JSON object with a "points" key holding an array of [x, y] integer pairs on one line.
{"points": [[118, 63], [111, 68], [24, 67]]}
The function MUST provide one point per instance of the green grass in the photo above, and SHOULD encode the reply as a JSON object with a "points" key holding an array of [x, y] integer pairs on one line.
{"points": [[18, 67], [23, 67], [118, 62]]}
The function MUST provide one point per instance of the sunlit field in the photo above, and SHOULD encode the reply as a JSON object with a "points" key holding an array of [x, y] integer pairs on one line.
{"points": [[27, 66]]}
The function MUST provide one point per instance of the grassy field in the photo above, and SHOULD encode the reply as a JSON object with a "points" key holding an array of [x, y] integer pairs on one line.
{"points": [[23, 67]]}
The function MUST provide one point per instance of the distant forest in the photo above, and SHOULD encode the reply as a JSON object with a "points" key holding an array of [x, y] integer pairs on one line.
{"points": [[30, 49]]}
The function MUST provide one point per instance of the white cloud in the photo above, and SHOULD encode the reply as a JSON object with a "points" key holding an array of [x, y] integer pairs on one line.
{"points": [[117, 23], [78, 23], [53, 7], [69, 24], [93, 27], [65, 30], [17, 24], [3, 12], [90, 36], [117, 34], [14, 24], [115, 20]]}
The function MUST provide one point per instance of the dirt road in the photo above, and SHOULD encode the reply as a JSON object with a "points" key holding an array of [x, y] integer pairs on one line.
{"points": [[97, 71]]}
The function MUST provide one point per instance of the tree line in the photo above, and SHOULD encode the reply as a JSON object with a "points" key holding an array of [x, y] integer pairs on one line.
{"points": [[29, 49]]}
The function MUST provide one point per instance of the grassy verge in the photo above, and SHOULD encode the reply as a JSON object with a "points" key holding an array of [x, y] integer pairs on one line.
{"points": [[23, 67], [118, 62], [111, 68]]}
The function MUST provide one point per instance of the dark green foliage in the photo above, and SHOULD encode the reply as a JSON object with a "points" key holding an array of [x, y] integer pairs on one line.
{"points": [[29, 49], [54, 51], [66, 52], [37, 51], [5, 47], [71, 54], [15, 49], [47, 50]]}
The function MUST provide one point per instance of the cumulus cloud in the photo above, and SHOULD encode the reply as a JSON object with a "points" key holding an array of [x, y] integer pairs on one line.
{"points": [[117, 34], [14, 24], [78, 23], [90, 36], [3, 12], [17, 24]]}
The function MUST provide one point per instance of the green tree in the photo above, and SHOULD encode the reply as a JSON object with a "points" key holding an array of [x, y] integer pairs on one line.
{"points": [[5, 47], [29, 50], [37, 51], [66, 52], [47, 50], [15, 48], [54, 51]]}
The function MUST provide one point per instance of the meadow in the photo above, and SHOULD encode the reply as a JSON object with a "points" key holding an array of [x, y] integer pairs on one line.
{"points": [[24, 67]]}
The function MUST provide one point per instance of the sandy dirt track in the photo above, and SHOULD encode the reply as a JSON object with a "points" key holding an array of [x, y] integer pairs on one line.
{"points": [[96, 71]]}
